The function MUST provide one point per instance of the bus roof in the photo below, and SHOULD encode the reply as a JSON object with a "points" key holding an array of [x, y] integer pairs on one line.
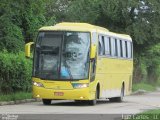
{"points": [[119, 36], [69, 26], [84, 27]]}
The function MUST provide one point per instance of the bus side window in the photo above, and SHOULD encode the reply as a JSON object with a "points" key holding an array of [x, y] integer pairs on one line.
{"points": [[112, 47], [124, 49], [118, 48], [121, 50], [101, 47], [93, 70], [107, 46], [129, 47]]}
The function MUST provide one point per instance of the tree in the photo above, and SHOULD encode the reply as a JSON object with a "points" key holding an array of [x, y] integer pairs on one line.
{"points": [[11, 37], [83, 11], [19, 21], [56, 11], [31, 17]]}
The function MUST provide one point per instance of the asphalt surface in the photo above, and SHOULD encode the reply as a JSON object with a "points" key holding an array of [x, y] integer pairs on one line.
{"points": [[70, 110]]}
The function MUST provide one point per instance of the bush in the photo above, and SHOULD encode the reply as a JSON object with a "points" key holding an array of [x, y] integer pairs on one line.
{"points": [[15, 96], [15, 73], [143, 86], [147, 66]]}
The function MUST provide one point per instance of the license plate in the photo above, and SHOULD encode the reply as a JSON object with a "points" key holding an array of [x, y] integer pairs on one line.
{"points": [[58, 93]]}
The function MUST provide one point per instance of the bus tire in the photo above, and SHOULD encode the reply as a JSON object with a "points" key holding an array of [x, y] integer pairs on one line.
{"points": [[79, 101], [118, 99], [94, 102], [46, 101]]}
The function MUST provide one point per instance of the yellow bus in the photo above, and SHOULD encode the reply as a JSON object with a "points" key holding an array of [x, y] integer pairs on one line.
{"points": [[81, 62]]}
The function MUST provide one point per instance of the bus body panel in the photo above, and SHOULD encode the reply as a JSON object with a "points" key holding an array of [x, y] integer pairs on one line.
{"points": [[112, 73]]}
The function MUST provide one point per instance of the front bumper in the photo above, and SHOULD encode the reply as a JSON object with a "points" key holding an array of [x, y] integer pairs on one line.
{"points": [[71, 94]]}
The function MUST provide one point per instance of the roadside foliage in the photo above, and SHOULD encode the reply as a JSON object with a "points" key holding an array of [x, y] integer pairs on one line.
{"points": [[15, 73]]}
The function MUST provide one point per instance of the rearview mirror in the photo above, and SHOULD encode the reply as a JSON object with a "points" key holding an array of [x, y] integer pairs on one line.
{"points": [[93, 51], [28, 49]]}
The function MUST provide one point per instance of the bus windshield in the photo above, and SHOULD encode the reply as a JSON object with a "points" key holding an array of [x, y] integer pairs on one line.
{"points": [[62, 55]]}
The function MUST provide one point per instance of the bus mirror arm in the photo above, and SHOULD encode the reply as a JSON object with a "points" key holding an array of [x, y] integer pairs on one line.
{"points": [[93, 51], [28, 49]]}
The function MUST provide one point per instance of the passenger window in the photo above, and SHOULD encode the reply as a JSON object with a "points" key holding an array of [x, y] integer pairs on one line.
{"points": [[116, 48], [121, 50], [129, 46], [101, 46], [124, 49], [107, 46], [112, 47], [93, 70], [131, 49]]}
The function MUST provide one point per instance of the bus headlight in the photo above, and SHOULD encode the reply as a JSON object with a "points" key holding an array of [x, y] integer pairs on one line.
{"points": [[80, 85], [38, 84]]}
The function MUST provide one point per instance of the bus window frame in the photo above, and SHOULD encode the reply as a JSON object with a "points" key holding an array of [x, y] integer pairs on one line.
{"points": [[63, 31]]}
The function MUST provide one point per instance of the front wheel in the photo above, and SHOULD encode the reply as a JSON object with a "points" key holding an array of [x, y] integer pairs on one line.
{"points": [[46, 101], [94, 102]]}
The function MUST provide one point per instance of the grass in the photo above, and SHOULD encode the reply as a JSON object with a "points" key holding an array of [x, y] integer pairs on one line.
{"points": [[15, 96], [156, 111], [143, 86], [147, 115]]}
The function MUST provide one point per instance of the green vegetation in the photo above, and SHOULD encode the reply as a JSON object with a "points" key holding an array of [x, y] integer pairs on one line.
{"points": [[147, 115], [20, 20], [143, 86], [15, 96], [15, 73], [156, 111]]}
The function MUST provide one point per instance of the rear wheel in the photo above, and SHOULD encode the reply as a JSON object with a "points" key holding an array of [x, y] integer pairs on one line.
{"points": [[46, 101], [118, 99]]}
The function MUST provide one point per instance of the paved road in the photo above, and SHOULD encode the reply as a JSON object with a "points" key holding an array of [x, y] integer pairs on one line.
{"points": [[132, 104]]}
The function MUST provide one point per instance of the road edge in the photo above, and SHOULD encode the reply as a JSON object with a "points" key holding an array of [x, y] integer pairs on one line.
{"points": [[140, 92], [2, 103]]}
